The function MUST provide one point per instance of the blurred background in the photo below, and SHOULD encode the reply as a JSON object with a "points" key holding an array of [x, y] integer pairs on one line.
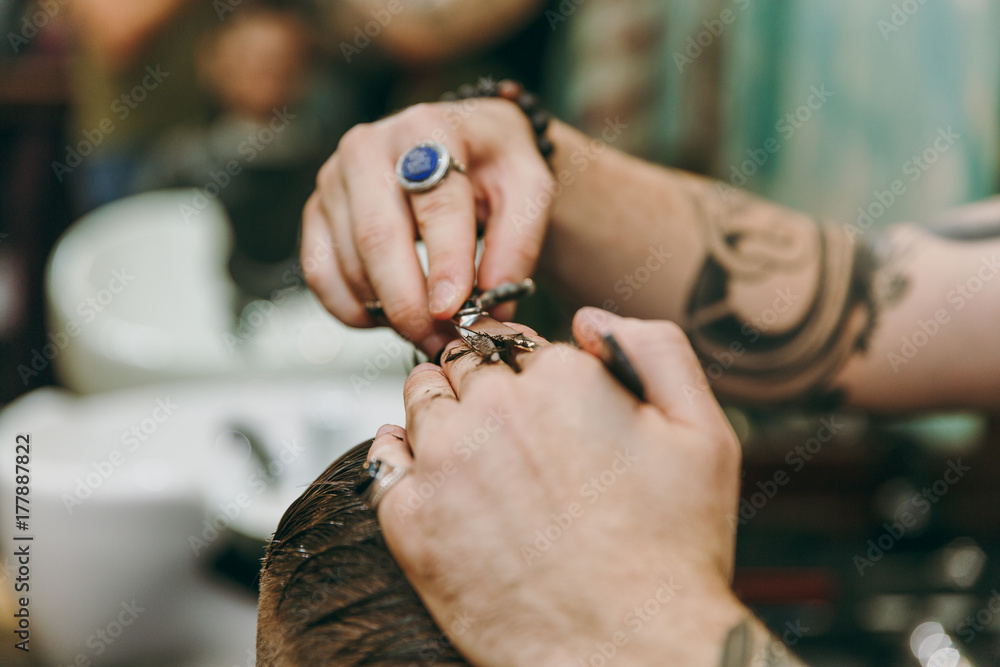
{"points": [[180, 385]]}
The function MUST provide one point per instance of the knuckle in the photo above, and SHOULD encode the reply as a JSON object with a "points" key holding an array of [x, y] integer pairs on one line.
{"points": [[328, 176], [417, 113], [435, 205], [311, 274], [371, 235], [417, 378], [354, 138], [558, 359], [672, 332], [410, 317]]}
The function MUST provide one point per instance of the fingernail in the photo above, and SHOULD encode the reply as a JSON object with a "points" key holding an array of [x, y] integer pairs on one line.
{"points": [[442, 296]]}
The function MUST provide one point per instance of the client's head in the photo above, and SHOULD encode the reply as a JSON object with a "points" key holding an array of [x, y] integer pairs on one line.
{"points": [[330, 592]]}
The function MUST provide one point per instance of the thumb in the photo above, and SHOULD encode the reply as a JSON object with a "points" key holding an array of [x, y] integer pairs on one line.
{"points": [[663, 359]]}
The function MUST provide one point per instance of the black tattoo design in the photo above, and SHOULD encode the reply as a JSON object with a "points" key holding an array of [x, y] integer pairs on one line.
{"points": [[779, 305]]}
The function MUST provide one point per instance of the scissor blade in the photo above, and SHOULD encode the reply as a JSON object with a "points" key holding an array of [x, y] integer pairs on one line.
{"points": [[485, 325]]}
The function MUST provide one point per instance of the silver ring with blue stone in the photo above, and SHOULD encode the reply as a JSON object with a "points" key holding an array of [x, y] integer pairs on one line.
{"points": [[424, 166]]}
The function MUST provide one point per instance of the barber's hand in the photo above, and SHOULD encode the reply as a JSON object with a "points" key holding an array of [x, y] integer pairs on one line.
{"points": [[549, 516], [359, 226]]}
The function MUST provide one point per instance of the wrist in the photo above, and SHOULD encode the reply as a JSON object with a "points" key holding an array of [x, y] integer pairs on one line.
{"points": [[610, 213], [676, 621]]}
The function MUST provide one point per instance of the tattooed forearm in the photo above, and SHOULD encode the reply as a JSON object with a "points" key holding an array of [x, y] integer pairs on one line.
{"points": [[780, 302], [749, 646]]}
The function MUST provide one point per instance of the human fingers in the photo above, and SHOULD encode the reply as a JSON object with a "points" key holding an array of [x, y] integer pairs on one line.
{"points": [[519, 188], [322, 271], [463, 366], [387, 466], [663, 359], [446, 218], [390, 445], [383, 233], [427, 396]]}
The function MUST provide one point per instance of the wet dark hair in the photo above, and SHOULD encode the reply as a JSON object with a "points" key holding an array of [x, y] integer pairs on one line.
{"points": [[330, 591]]}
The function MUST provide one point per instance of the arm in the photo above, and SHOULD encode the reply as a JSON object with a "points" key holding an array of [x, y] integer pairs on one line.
{"points": [[777, 304], [118, 30], [432, 31]]}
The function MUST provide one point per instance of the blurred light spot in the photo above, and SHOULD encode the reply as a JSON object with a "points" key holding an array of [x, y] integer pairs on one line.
{"points": [[887, 613], [963, 562], [922, 632], [932, 644], [320, 341], [944, 657]]}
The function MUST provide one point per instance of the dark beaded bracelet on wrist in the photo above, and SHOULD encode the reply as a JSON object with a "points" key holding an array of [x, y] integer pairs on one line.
{"points": [[515, 92]]}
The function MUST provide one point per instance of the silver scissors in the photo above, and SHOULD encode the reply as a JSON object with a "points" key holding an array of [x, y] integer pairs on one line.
{"points": [[492, 340]]}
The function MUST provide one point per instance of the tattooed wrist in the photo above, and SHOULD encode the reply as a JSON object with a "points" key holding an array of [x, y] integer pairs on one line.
{"points": [[780, 302]]}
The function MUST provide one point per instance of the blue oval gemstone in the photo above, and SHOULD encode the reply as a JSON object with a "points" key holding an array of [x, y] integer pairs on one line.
{"points": [[420, 163]]}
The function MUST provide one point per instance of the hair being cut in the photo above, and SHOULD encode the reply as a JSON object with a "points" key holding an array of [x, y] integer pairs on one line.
{"points": [[330, 591]]}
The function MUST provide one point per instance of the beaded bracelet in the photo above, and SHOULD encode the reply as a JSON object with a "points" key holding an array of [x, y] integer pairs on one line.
{"points": [[515, 92]]}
